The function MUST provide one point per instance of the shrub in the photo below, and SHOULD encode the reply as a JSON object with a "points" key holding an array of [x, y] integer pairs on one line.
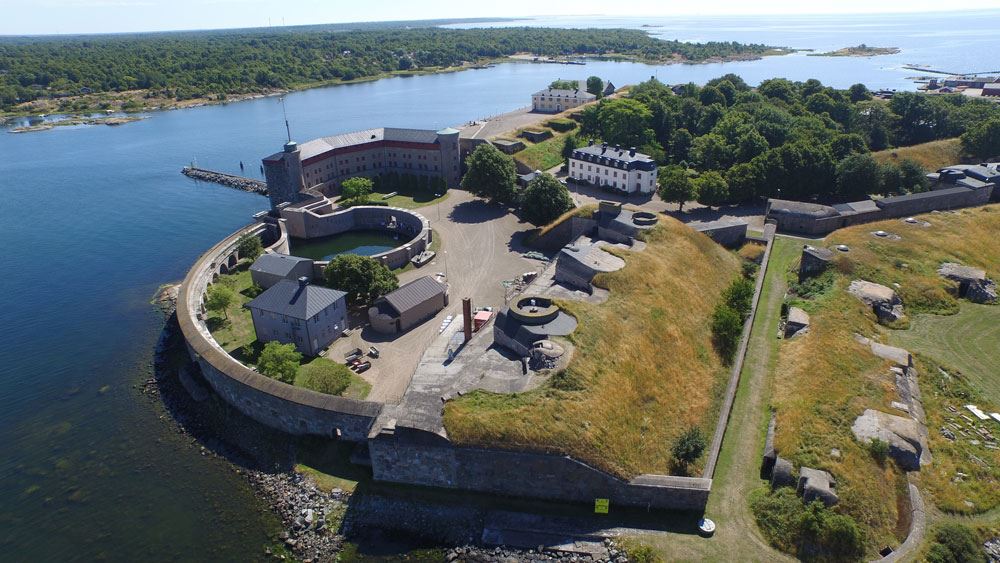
{"points": [[814, 287], [249, 246], [739, 296], [878, 449], [356, 191], [279, 361], [954, 543], [689, 446], [809, 531], [218, 298], [727, 326]]}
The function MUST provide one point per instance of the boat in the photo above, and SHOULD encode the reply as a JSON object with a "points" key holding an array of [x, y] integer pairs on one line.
{"points": [[423, 258]]}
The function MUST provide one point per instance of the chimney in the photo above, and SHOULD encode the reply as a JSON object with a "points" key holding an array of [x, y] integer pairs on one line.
{"points": [[631, 151], [467, 317], [591, 142], [303, 281]]}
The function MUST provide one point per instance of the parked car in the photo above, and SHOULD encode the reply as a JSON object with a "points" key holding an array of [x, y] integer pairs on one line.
{"points": [[362, 367], [353, 355]]}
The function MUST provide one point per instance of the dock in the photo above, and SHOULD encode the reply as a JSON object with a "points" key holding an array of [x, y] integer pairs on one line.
{"points": [[228, 180]]}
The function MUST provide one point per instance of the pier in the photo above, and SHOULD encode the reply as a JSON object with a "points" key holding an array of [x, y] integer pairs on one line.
{"points": [[228, 180]]}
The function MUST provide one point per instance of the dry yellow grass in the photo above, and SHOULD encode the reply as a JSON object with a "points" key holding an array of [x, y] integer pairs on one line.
{"points": [[932, 156], [643, 371], [825, 379], [582, 211]]}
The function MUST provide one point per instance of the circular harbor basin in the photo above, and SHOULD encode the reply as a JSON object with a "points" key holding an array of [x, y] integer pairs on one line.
{"points": [[365, 242]]}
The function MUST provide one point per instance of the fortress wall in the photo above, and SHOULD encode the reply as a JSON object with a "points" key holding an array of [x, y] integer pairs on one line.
{"points": [[564, 233], [523, 474], [281, 406]]}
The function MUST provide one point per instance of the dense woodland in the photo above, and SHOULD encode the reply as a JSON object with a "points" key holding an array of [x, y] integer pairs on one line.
{"points": [[188, 65], [726, 142]]}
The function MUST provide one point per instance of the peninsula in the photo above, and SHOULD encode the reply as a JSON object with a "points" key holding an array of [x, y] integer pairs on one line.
{"points": [[861, 50]]}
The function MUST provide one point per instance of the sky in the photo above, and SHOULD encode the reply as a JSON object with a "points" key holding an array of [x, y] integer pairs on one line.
{"points": [[20, 17]]}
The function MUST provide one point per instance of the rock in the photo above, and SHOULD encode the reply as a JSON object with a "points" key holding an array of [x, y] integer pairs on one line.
{"points": [[816, 484], [883, 300], [907, 444], [797, 323], [781, 474], [982, 292], [972, 282], [992, 549]]}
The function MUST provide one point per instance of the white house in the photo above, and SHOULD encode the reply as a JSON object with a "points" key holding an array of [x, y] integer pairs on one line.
{"points": [[555, 101], [623, 170]]}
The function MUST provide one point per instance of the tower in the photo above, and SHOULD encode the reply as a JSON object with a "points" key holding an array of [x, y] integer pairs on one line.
{"points": [[451, 156], [283, 172]]}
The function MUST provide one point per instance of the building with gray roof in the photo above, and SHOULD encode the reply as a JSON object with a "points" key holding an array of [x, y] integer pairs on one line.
{"points": [[318, 166], [553, 100], [408, 306], [620, 169], [271, 267], [295, 312]]}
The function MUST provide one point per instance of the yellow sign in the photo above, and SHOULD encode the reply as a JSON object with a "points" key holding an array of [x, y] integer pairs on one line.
{"points": [[601, 505]]}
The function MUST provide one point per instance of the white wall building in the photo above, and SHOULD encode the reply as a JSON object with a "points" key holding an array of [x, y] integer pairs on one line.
{"points": [[555, 101], [623, 170]]}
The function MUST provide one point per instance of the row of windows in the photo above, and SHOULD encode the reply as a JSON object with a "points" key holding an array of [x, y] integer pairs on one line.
{"points": [[590, 168]]}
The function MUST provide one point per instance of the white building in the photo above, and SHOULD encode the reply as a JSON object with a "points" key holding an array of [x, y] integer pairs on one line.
{"points": [[555, 101], [620, 169]]}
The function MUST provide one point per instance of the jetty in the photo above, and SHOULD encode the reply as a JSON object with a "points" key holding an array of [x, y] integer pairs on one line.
{"points": [[228, 180]]}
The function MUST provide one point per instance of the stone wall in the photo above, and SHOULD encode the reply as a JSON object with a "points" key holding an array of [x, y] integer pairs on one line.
{"points": [[281, 406], [726, 233], [565, 233], [403, 456]]}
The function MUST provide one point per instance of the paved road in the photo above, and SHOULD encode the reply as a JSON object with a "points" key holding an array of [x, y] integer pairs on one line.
{"points": [[479, 248]]}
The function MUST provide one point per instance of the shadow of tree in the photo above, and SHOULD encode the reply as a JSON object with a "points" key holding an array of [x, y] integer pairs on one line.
{"points": [[476, 211]]}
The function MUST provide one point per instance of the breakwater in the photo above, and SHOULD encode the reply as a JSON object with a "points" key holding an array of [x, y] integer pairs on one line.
{"points": [[228, 180]]}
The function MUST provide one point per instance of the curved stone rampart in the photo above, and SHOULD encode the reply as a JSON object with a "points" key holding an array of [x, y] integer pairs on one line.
{"points": [[281, 406]]}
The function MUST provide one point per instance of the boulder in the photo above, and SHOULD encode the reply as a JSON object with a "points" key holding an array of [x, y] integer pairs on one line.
{"points": [[883, 300], [905, 437], [816, 484], [781, 473], [797, 323], [972, 282]]}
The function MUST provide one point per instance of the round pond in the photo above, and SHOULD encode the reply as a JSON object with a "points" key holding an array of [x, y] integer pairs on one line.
{"points": [[363, 242]]}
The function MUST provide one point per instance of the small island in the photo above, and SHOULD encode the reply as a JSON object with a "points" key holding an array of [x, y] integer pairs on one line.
{"points": [[861, 50]]}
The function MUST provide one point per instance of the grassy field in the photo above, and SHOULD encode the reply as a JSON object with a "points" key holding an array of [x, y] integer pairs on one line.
{"points": [[644, 369], [968, 342], [826, 379], [932, 156], [237, 332]]}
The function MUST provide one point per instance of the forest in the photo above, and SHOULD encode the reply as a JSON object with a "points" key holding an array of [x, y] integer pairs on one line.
{"points": [[726, 142], [186, 65]]}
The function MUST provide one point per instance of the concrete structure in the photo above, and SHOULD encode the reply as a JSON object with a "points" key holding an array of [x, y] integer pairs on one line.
{"points": [[578, 263], [818, 219], [972, 282], [886, 305], [797, 322], [816, 484], [727, 232], [524, 179], [530, 319], [555, 101], [907, 443], [271, 267], [321, 164], [814, 261], [508, 146], [536, 136], [408, 306], [295, 312], [617, 223], [622, 170], [318, 217]]}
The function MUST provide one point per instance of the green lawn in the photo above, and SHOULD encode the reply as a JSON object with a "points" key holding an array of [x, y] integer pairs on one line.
{"points": [[409, 201], [967, 341], [544, 155]]}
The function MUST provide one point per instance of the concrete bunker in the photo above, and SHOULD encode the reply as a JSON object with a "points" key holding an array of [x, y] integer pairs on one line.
{"points": [[529, 319]]}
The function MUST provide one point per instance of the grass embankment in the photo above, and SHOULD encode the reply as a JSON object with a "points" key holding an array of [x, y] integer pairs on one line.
{"points": [[644, 369], [236, 335], [826, 379], [932, 156], [548, 153]]}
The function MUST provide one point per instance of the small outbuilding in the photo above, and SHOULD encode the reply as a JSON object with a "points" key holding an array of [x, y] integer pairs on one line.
{"points": [[272, 267], [814, 261], [797, 322], [294, 312], [408, 306]]}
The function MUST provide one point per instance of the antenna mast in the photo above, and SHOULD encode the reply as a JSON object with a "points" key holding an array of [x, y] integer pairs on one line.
{"points": [[284, 114]]}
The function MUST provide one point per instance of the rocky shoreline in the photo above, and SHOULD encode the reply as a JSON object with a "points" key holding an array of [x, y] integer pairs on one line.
{"points": [[316, 525]]}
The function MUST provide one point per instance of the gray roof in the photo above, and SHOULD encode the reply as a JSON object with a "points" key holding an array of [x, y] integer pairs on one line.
{"points": [[947, 192], [579, 93], [619, 155], [788, 207], [289, 298], [322, 145], [414, 293], [863, 206], [277, 264]]}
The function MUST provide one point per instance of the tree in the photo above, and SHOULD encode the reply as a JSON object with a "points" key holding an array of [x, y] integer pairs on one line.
{"points": [[751, 144], [570, 143], [564, 84], [912, 176], [711, 152], [712, 189], [675, 186], [218, 298], [355, 191], [858, 175], [689, 446], [595, 86], [491, 174], [625, 122], [846, 145], [983, 140], [859, 93], [711, 95], [545, 199], [362, 278], [954, 543], [323, 376], [248, 246], [680, 144], [727, 327], [279, 361]]}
